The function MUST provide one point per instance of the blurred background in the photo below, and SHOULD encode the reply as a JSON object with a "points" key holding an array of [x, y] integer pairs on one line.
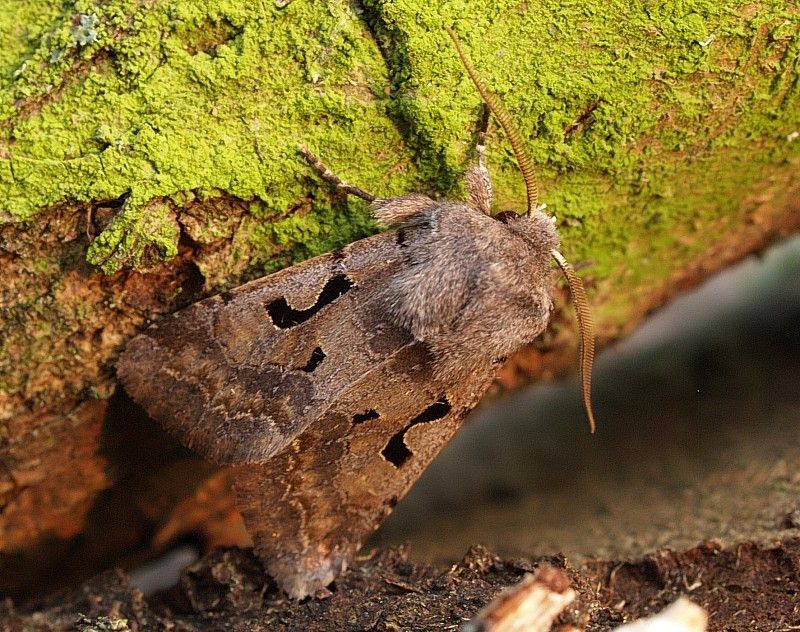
{"points": [[698, 416]]}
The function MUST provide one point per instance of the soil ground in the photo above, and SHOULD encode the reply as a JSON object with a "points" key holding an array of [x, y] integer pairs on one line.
{"points": [[745, 587]]}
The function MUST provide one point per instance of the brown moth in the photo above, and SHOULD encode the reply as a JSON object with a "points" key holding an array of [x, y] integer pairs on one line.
{"points": [[332, 384]]}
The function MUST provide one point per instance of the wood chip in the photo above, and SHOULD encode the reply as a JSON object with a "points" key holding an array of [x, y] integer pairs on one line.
{"points": [[530, 606], [681, 616]]}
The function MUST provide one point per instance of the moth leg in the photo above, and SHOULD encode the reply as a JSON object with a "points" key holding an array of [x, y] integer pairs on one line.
{"points": [[479, 185], [327, 175], [387, 211]]}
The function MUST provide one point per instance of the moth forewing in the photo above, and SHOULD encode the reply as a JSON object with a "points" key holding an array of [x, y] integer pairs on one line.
{"points": [[237, 376], [310, 507]]}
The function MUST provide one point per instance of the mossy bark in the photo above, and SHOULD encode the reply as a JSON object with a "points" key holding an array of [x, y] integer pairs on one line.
{"points": [[148, 158]]}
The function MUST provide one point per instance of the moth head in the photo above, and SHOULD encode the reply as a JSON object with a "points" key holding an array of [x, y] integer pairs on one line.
{"points": [[534, 219], [537, 228]]}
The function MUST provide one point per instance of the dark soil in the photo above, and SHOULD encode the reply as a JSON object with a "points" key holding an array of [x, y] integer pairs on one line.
{"points": [[745, 587]]}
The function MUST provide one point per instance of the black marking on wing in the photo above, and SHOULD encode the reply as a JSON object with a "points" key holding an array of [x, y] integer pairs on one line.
{"points": [[317, 356], [396, 450], [360, 418], [284, 316]]}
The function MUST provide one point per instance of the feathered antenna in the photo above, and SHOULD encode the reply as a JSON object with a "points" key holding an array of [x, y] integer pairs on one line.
{"points": [[502, 116], [576, 288], [584, 317]]}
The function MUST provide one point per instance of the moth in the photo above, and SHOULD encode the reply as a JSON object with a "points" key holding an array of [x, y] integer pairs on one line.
{"points": [[329, 386]]}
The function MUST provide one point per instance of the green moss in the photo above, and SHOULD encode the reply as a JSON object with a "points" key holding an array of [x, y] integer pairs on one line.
{"points": [[22, 25], [692, 101], [139, 235], [156, 109]]}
